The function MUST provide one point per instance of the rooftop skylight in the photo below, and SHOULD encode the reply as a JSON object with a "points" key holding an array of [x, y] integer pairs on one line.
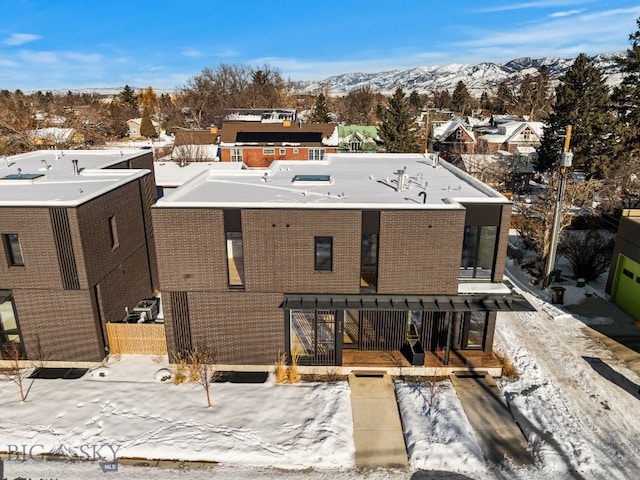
{"points": [[314, 179]]}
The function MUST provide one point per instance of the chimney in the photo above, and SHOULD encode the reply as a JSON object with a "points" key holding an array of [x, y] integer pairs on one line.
{"points": [[75, 167]]}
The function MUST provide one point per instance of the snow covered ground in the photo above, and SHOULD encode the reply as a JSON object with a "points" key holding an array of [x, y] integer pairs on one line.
{"points": [[576, 403]]}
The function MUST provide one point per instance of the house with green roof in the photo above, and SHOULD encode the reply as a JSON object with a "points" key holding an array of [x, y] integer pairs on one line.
{"points": [[358, 138]]}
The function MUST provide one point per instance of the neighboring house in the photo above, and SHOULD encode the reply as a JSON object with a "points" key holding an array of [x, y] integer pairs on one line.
{"points": [[78, 248], [325, 260], [623, 283], [511, 135], [451, 138], [196, 146], [257, 144], [134, 125], [357, 138], [492, 169], [261, 115], [55, 138]]}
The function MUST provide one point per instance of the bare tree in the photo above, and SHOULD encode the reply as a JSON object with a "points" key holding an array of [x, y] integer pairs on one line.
{"points": [[202, 369], [39, 353], [15, 372], [534, 222]]}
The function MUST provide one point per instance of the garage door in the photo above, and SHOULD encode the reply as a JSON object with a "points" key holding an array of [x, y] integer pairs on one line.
{"points": [[627, 293]]}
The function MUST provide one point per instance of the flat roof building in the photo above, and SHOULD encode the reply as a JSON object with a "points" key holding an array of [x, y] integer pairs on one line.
{"points": [[78, 247], [321, 259]]}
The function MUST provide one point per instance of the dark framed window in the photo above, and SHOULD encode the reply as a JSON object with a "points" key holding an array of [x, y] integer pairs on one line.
{"points": [[323, 253], [478, 251], [10, 338], [14, 249], [235, 251], [113, 232]]}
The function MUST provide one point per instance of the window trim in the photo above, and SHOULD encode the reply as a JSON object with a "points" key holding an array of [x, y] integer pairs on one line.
{"points": [[236, 155], [320, 260], [15, 256], [283, 151], [269, 151]]}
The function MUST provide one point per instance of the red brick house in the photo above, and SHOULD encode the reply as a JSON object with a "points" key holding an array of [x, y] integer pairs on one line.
{"points": [[453, 138], [257, 144]]}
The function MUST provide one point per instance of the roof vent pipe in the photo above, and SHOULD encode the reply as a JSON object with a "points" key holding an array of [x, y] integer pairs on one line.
{"points": [[436, 160], [75, 166], [402, 179]]}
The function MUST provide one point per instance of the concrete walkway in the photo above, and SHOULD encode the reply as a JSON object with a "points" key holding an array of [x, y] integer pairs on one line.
{"points": [[496, 431], [377, 429]]}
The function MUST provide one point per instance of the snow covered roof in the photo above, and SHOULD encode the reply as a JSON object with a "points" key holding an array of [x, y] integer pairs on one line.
{"points": [[171, 174], [53, 134], [509, 132], [46, 177], [443, 131], [339, 181]]}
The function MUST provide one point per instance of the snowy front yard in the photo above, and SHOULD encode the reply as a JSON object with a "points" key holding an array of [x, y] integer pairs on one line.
{"points": [[576, 403]]}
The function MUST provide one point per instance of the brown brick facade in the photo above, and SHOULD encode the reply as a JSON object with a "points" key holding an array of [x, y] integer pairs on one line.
{"points": [[420, 251], [240, 328], [64, 321], [191, 249], [72, 279], [279, 250]]}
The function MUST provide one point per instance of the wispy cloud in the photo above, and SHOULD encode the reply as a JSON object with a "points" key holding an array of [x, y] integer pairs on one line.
{"points": [[533, 4], [37, 57], [21, 38], [567, 13], [192, 53], [84, 57]]}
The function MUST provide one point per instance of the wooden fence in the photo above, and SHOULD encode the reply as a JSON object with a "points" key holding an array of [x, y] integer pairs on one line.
{"points": [[137, 338]]}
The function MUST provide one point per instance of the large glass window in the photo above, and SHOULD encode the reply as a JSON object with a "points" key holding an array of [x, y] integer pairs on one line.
{"points": [[369, 260], [474, 330], [478, 251], [14, 249], [323, 253], [235, 259], [235, 254], [9, 332]]}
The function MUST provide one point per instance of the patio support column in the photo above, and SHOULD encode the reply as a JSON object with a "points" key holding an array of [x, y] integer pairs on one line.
{"points": [[287, 333], [447, 348], [487, 341]]}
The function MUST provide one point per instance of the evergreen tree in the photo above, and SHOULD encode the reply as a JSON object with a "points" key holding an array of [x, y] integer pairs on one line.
{"points": [[627, 94], [128, 96], [399, 130], [146, 125], [461, 100], [321, 110], [583, 101], [415, 101]]}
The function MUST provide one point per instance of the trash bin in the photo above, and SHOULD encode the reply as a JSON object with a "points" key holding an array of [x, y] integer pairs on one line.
{"points": [[557, 295]]}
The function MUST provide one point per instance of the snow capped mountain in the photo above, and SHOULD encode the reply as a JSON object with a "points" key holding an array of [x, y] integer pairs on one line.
{"points": [[477, 78]]}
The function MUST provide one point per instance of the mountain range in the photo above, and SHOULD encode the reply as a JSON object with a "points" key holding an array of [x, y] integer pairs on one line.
{"points": [[477, 78]]}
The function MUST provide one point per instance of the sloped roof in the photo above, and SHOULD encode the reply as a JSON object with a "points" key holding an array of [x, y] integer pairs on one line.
{"points": [[442, 132], [195, 137]]}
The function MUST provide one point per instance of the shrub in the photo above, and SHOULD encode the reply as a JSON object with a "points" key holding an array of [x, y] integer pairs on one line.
{"points": [[589, 254]]}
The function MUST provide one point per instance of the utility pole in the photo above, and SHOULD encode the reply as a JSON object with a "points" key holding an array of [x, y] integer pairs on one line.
{"points": [[565, 162]]}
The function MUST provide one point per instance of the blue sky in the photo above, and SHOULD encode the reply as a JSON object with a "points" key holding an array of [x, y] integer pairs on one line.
{"points": [[67, 44]]}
